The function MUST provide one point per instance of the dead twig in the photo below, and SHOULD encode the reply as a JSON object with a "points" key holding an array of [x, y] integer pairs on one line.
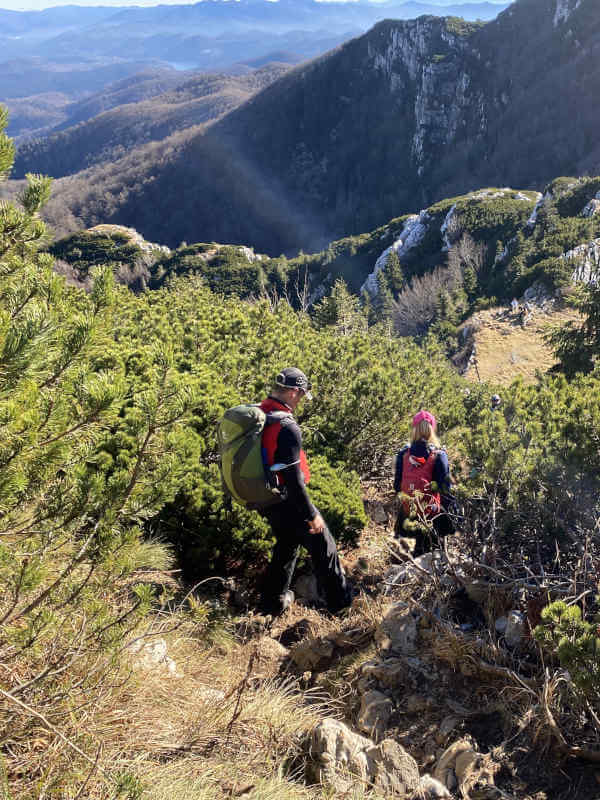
{"points": [[570, 751], [47, 724]]}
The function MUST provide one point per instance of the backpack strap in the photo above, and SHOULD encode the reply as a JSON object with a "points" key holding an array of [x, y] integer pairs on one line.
{"points": [[434, 451], [278, 416]]}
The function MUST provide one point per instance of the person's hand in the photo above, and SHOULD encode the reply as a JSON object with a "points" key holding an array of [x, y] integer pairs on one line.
{"points": [[316, 525]]}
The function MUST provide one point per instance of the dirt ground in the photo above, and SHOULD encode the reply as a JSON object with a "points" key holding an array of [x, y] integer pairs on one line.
{"points": [[505, 349], [439, 701]]}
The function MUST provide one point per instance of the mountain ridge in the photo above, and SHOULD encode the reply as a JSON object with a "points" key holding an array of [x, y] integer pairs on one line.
{"points": [[191, 101], [409, 113]]}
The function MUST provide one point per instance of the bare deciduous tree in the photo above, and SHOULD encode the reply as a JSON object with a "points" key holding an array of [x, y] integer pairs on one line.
{"points": [[467, 253], [414, 310]]}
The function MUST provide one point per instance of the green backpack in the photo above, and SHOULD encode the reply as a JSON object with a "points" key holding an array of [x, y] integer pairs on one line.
{"points": [[245, 474]]}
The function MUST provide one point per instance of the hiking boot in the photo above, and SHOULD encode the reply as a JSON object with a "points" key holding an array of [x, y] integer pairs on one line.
{"points": [[276, 607], [286, 599], [344, 610]]}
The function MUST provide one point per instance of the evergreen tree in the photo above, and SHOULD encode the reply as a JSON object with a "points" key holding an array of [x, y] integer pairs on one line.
{"points": [[340, 309], [393, 271], [85, 458], [383, 302], [470, 282], [577, 344], [366, 304], [7, 148]]}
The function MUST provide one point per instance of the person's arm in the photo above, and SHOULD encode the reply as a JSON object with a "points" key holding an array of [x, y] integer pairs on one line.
{"points": [[441, 475], [289, 445], [398, 472]]}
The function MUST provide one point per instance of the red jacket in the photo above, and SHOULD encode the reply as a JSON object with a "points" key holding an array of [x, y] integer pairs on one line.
{"points": [[271, 434]]}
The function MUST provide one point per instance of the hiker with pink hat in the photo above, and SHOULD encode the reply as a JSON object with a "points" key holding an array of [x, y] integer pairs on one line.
{"points": [[423, 482]]}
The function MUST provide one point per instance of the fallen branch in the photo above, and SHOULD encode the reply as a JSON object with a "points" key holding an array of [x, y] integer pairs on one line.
{"points": [[570, 751], [48, 725]]}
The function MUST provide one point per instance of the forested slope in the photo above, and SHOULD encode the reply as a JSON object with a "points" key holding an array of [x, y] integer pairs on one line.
{"points": [[419, 272], [410, 113], [111, 134]]}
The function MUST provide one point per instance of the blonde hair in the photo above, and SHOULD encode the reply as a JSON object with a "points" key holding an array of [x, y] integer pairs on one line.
{"points": [[423, 431]]}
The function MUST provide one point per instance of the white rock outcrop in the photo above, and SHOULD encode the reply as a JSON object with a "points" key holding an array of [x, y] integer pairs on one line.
{"points": [[447, 227], [397, 632], [249, 253], [538, 206], [375, 711], [153, 654], [592, 208], [414, 231], [586, 261], [564, 9]]}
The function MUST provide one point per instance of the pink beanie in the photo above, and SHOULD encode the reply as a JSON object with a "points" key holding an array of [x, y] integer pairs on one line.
{"points": [[426, 416]]}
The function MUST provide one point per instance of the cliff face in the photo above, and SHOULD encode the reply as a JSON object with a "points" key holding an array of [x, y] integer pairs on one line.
{"points": [[409, 113], [429, 61]]}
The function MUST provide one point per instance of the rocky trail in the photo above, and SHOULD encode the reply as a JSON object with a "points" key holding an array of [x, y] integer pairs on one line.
{"points": [[430, 687]]}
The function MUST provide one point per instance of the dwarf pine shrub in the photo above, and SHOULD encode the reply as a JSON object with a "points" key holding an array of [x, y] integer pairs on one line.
{"points": [[86, 457], [575, 642]]}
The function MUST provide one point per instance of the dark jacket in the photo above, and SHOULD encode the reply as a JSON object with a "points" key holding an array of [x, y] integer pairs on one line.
{"points": [[441, 472], [288, 451]]}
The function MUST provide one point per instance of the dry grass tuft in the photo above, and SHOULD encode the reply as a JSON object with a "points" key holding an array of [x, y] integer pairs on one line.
{"points": [[166, 735]]}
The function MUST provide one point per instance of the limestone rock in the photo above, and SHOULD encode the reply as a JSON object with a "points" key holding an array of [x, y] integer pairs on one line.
{"points": [[415, 229], [471, 770], [592, 208], [339, 754], [389, 673], [375, 711], [398, 630], [152, 654], [400, 574], [249, 253], [585, 260], [430, 789], [313, 655], [345, 760], [394, 771]]}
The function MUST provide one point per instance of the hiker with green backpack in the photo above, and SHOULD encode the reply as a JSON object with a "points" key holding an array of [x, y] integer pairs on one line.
{"points": [[265, 468]]}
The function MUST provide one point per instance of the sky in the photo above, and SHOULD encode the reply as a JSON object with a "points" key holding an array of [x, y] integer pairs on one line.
{"points": [[38, 5]]}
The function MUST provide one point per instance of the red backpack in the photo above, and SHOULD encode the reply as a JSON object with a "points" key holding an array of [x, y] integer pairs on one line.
{"points": [[417, 474]]}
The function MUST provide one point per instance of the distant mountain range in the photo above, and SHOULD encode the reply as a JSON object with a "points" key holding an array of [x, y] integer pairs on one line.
{"points": [[55, 58], [408, 113], [178, 32]]}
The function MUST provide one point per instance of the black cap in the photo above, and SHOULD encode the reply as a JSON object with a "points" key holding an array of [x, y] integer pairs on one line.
{"points": [[294, 378]]}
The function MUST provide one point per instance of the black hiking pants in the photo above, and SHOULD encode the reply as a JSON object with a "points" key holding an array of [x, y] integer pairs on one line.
{"points": [[426, 540], [291, 532]]}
